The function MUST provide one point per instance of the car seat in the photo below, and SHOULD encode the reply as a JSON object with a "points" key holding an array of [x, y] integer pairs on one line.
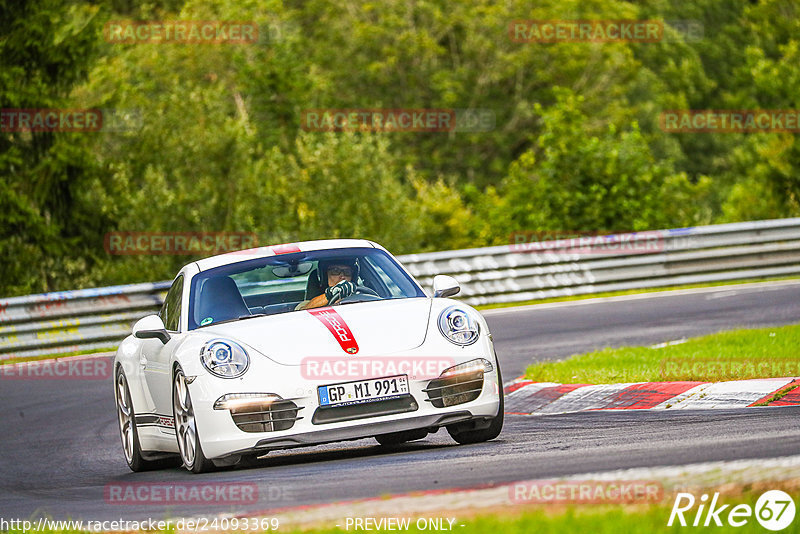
{"points": [[220, 300], [313, 285]]}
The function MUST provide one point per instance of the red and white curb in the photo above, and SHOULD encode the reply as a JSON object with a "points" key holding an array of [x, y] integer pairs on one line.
{"points": [[546, 398]]}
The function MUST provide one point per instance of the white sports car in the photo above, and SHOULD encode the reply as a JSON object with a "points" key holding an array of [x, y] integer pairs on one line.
{"points": [[302, 344]]}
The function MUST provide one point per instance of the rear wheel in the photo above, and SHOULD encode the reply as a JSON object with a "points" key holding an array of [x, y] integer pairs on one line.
{"points": [[396, 438], [465, 433], [186, 427], [126, 416]]}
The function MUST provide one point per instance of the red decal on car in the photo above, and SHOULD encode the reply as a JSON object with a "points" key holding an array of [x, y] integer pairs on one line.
{"points": [[336, 326], [166, 421], [285, 249]]}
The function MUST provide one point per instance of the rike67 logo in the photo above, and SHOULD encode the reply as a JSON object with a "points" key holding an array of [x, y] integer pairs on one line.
{"points": [[774, 510]]}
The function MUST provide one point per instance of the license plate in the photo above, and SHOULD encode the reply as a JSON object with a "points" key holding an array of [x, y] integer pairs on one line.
{"points": [[361, 391]]}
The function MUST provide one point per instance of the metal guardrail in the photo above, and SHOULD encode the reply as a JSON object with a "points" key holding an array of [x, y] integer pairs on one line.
{"points": [[69, 321]]}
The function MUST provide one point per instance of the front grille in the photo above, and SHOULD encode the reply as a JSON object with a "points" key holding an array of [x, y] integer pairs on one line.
{"points": [[266, 416], [455, 389], [336, 414]]}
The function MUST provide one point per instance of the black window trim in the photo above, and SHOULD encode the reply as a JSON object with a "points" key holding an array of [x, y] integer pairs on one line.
{"points": [[180, 301]]}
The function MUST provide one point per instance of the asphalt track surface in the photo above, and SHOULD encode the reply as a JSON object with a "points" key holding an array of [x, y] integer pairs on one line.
{"points": [[59, 444]]}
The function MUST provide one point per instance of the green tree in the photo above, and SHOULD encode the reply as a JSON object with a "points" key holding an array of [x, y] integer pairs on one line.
{"points": [[581, 179], [48, 228]]}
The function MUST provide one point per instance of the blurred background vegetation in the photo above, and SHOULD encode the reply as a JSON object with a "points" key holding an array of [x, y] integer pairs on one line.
{"points": [[216, 144]]}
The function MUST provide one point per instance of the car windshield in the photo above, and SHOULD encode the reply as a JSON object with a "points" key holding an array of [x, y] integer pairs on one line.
{"points": [[287, 282]]}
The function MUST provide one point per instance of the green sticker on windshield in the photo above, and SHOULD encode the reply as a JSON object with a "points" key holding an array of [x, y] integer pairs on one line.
{"points": [[207, 320]]}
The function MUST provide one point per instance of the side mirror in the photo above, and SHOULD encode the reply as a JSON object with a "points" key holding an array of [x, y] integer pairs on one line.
{"points": [[445, 286], [151, 327]]}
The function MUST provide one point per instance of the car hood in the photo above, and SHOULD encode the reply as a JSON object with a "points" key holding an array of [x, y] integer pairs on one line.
{"points": [[365, 328]]}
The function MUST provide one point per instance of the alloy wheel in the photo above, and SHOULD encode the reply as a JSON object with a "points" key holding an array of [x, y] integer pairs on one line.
{"points": [[184, 420], [125, 416]]}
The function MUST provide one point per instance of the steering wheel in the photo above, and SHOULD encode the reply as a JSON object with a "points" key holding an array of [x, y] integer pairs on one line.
{"points": [[363, 293]]}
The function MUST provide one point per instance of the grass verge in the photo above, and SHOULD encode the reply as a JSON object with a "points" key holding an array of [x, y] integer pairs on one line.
{"points": [[597, 519], [735, 355], [560, 519]]}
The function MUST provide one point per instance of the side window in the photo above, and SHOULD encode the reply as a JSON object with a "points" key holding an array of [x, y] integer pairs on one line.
{"points": [[171, 310]]}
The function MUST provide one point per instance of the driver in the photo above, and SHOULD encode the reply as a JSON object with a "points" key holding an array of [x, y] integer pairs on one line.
{"points": [[336, 282]]}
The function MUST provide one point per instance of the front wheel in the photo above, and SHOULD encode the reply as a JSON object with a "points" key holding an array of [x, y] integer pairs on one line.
{"points": [[186, 427], [126, 416], [462, 433]]}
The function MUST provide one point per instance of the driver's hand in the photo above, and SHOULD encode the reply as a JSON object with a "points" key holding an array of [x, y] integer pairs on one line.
{"points": [[340, 291]]}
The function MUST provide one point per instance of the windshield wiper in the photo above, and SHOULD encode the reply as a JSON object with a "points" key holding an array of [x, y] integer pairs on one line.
{"points": [[242, 317], [359, 301]]}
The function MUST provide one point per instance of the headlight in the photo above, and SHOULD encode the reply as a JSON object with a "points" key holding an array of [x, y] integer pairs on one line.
{"points": [[458, 326], [224, 358]]}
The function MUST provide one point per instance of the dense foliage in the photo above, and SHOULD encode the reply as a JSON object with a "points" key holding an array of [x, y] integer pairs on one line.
{"points": [[210, 135]]}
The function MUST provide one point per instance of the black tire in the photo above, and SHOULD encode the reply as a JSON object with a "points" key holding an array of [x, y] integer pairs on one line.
{"points": [[465, 437], [396, 438], [189, 446], [128, 432]]}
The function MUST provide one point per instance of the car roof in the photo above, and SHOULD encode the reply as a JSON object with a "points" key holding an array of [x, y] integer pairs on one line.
{"points": [[285, 248]]}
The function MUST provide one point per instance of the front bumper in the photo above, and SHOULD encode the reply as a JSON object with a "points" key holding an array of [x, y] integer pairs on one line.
{"points": [[220, 437]]}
